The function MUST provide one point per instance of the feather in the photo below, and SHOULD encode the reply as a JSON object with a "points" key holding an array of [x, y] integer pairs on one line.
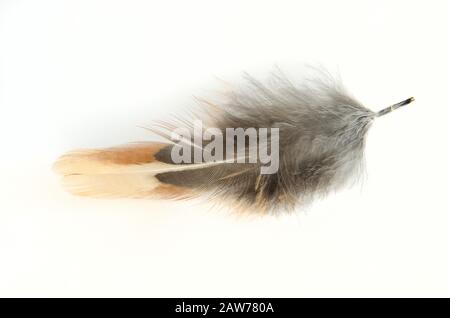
{"points": [[320, 129]]}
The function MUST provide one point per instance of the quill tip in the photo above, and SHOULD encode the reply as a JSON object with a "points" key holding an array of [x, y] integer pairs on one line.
{"points": [[395, 106]]}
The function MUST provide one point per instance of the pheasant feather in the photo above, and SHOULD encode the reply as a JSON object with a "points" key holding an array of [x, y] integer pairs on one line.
{"points": [[320, 129]]}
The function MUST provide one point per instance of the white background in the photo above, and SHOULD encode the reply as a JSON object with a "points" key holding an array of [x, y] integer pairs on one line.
{"points": [[86, 73]]}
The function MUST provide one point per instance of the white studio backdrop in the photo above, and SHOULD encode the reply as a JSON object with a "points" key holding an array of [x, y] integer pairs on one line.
{"points": [[77, 74]]}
